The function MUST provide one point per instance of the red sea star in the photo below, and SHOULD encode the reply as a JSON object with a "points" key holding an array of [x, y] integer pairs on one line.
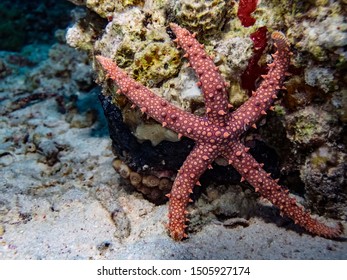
{"points": [[217, 133]]}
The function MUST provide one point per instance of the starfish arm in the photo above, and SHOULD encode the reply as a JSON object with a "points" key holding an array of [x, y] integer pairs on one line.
{"points": [[155, 106], [252, 171], [261, 100], [210, 80], [196, 163]]}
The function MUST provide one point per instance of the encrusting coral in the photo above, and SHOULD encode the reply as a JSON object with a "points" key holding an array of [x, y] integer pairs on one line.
{"points": [[201, 16], [218, 132]]}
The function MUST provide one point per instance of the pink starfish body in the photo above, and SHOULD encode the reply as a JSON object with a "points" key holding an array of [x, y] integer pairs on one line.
{"points": [[218, 132]]}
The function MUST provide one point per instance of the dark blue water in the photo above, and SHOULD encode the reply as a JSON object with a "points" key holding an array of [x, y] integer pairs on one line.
{"points": [[25, 22]]}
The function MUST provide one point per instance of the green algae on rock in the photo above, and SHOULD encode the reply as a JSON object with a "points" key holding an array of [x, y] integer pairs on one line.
{"points": [[155, 63]]}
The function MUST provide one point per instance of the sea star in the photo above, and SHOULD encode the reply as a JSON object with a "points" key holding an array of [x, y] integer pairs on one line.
{"points": [[218, 132]]}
